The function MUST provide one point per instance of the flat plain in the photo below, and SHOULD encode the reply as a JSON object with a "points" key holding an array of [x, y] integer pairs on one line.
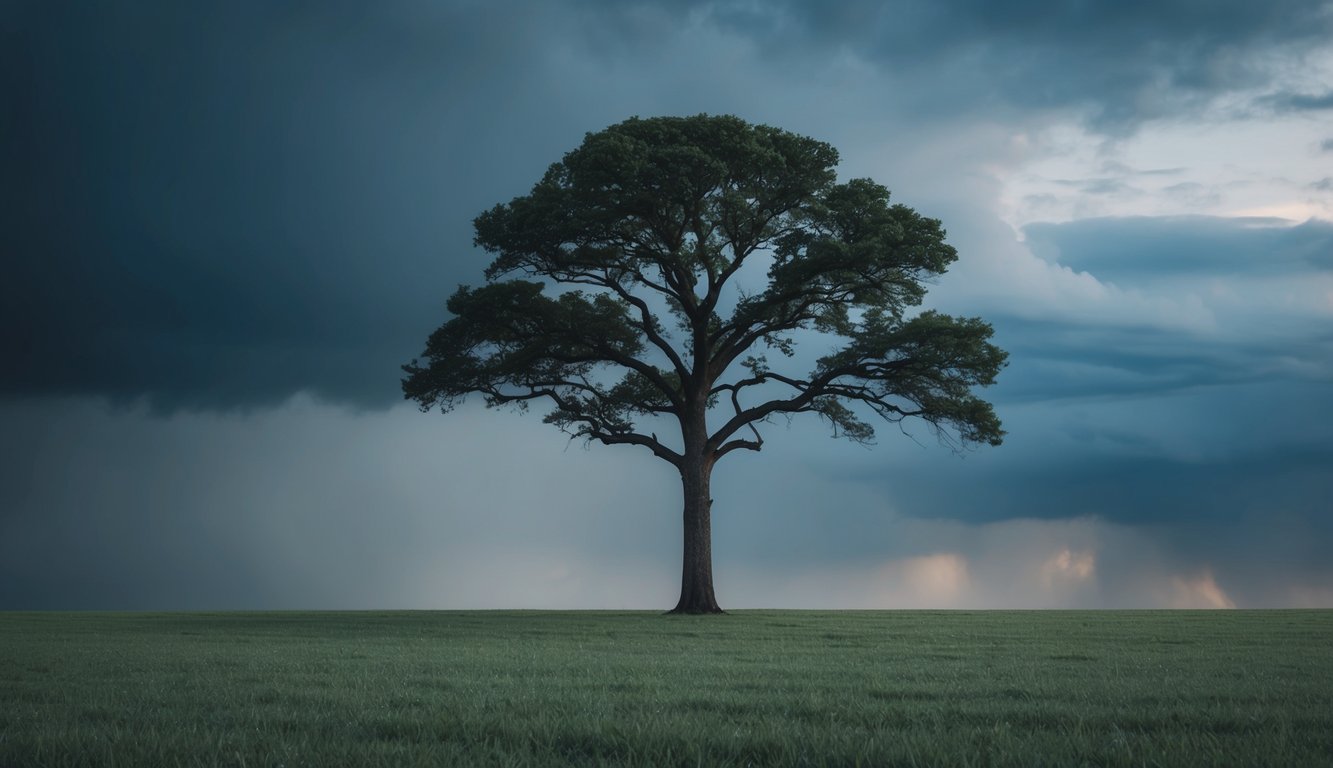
{"points": [[762, 688]]}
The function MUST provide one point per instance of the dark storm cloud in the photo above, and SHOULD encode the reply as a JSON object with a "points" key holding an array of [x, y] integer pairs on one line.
{"points": [[1125, 62], [1139, 247], [222, 204], [1180, 303], [1230, 478], [217, 205], [1299, 102], [1103, 186], [1142, 490], [1063, 360], [1221, 474], [307, 505]]}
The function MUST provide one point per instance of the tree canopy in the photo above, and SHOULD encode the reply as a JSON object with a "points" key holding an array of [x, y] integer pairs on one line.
{"points": [[671, 209], [654, 270]]}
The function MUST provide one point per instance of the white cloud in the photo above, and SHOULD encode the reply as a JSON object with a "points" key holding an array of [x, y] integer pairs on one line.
{"points": [[997, 272], [1208, 165]]}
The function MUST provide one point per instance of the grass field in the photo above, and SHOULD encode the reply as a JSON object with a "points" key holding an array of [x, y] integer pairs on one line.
{"points": [[750, 688]]}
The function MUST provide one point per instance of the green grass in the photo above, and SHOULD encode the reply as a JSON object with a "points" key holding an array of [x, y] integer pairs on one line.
{"points": [[750, 688]]}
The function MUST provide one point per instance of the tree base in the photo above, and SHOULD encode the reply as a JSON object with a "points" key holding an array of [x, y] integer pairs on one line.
{"points": [[695, 610]]}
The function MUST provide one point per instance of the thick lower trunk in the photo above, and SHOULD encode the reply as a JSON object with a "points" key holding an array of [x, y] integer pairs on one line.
{"points": [[696, 576]]}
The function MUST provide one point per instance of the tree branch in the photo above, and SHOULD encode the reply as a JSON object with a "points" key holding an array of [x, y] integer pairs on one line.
{"points": [[757, 443], [752, 445], [634, 438], [823, 385], [647, 325], [595, 428]]}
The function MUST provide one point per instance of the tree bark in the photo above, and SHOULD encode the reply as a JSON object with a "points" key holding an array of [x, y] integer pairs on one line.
{"points": [[696, 578]]}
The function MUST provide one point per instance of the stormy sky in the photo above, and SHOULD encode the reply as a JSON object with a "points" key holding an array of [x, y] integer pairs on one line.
{"points": [[226, 225]]}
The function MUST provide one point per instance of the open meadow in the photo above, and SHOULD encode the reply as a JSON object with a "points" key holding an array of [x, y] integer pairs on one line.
{"points": [[609, 688]]}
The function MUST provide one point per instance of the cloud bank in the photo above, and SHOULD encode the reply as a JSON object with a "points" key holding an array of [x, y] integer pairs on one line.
{"points": [[227, 226]]}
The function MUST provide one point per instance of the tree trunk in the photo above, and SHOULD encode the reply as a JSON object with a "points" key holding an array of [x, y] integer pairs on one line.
{"points": [[696, 577]]}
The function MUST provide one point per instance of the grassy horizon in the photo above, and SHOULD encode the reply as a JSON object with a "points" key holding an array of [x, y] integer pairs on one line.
{"points": [[766, 687]]}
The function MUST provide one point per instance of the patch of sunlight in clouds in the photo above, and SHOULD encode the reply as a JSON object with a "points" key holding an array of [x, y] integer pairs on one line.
{"points": [[938, 579], [1197, 591], [1067, 566], [1014, 564]]}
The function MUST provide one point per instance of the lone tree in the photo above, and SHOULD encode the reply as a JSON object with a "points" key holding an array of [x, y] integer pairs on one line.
{"points": [[656, 222]]}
